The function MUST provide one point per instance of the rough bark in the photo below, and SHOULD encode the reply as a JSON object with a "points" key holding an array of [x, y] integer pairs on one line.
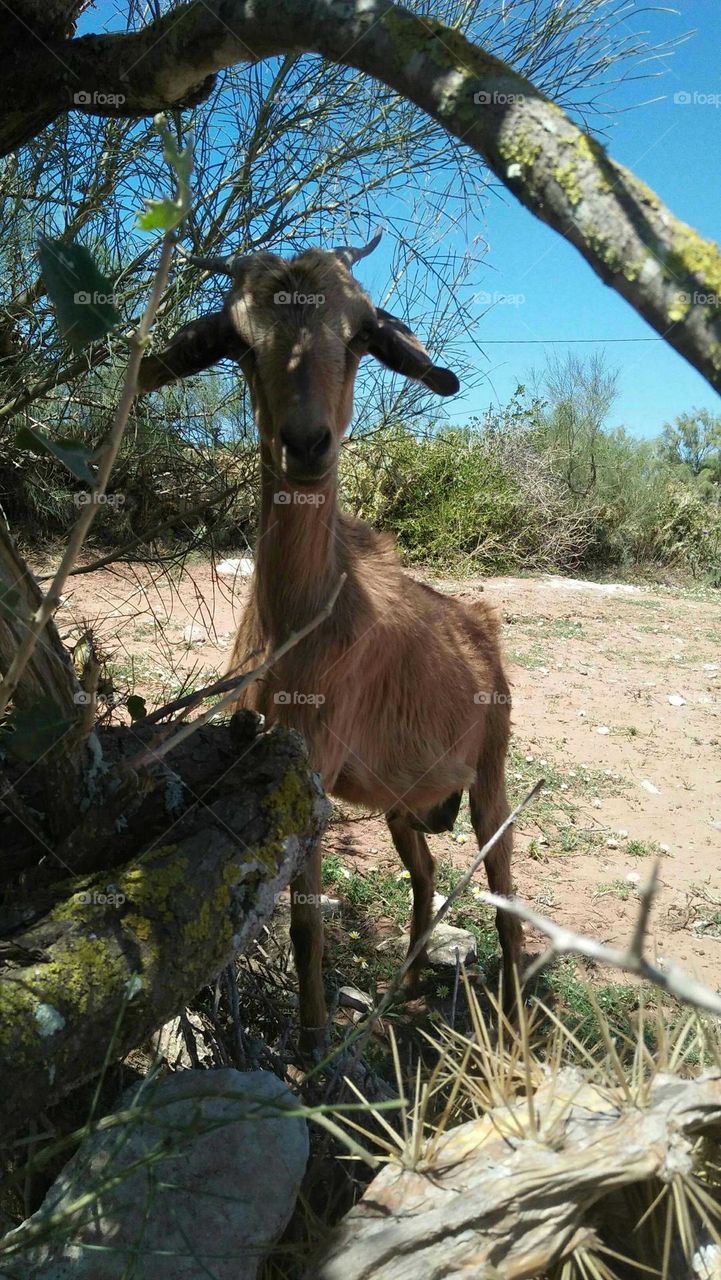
{"points": [[498, 1202], [49, 681], [117, 953], [660, 265]]}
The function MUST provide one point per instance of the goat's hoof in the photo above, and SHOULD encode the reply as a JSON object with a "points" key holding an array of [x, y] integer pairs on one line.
{"points": [[413, 979], [313, 1041]]}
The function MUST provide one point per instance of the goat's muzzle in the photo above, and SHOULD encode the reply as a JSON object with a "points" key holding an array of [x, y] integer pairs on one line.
{"points": [[307, 452]]}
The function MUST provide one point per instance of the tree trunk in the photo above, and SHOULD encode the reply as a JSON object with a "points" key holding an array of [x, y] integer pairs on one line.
{"points": [[49, 689]]}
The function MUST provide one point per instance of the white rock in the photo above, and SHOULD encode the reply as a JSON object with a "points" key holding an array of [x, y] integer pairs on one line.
{"points": [[676, 700], [194, 634], [446, 939], [611, 843], [577, 584], [649, 786], [602, 729], [706, 1262], [242, 568]]}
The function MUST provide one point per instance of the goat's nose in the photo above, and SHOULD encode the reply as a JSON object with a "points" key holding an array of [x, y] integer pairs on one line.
{"points": [[306, 446]]}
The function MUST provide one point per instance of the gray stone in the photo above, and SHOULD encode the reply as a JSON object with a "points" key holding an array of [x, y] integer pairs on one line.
{"points": [[445, 939], [223, 1170], [194, 634]]}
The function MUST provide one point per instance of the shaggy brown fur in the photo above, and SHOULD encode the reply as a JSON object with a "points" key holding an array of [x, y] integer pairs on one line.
{"points": [[400, 694]]}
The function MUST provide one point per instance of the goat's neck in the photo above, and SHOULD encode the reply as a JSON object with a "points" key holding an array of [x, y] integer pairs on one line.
{"points": [[299, 557]]}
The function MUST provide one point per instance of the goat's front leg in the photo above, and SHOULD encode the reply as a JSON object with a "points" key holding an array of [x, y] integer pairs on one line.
{"points": [[418, 859], [306, 933]]}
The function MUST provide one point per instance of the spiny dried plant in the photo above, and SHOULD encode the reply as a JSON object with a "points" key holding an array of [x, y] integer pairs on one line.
{"points": [[526, 1152]]}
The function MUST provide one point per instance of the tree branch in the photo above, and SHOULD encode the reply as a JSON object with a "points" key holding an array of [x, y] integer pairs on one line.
{"points": [[660, 265], [670, 979], [128, 948]]}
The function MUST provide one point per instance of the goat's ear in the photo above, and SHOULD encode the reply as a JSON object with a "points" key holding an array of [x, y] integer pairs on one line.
{"points": [[393, 343], [196, 346]]}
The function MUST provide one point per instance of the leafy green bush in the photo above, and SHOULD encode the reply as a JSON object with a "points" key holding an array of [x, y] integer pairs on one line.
{"points": [[461, 498]]}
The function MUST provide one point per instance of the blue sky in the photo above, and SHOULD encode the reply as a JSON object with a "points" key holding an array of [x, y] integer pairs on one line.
{"points": [[547, 292], [676, 149]]}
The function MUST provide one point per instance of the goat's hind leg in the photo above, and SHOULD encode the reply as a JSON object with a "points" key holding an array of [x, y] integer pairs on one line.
{"points": [[489, 808], [418, 860]]}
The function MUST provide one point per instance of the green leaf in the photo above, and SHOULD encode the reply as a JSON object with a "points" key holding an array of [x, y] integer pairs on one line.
{"points": [[82, 296], [72, 453], [160, 215], [35, 730], [136, 706], [12, 605], [164, 215]]}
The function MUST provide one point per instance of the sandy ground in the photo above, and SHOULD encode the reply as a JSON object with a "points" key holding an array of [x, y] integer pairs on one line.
{"points": [[581, 658]]}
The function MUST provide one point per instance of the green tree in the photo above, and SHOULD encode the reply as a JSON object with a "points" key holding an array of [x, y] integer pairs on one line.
{"points": [[694, 441]]}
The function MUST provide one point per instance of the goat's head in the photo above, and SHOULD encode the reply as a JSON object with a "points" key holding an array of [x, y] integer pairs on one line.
{"points": [[299, 329]]}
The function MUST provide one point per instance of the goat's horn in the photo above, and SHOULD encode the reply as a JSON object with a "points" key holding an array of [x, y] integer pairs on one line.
{"points": [[228, 266], [349, 255]]}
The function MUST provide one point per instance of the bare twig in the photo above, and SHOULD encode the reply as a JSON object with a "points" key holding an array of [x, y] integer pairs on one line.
{"points": [[143, 538], [153, 754], [564, 941], [190, 700], [361, 1034], [79, 532]]}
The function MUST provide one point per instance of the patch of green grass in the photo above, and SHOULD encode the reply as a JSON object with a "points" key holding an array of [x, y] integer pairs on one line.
{"points": [[561, 628], [332, 870], [532, 659], [615, 888], [567, 989], [644, 849], [556, 813]]}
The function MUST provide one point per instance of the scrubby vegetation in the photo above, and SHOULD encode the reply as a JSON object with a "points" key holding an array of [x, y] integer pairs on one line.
{"points": [[543, 484]]}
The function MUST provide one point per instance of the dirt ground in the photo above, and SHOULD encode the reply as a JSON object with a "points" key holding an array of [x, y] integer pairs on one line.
{"points": [[616, 701]]}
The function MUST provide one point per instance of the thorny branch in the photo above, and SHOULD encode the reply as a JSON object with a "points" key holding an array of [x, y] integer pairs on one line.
{"points": [[631, 959]]}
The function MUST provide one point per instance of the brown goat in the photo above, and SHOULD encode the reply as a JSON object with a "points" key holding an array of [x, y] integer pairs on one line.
{"points": [[400, 694]]}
